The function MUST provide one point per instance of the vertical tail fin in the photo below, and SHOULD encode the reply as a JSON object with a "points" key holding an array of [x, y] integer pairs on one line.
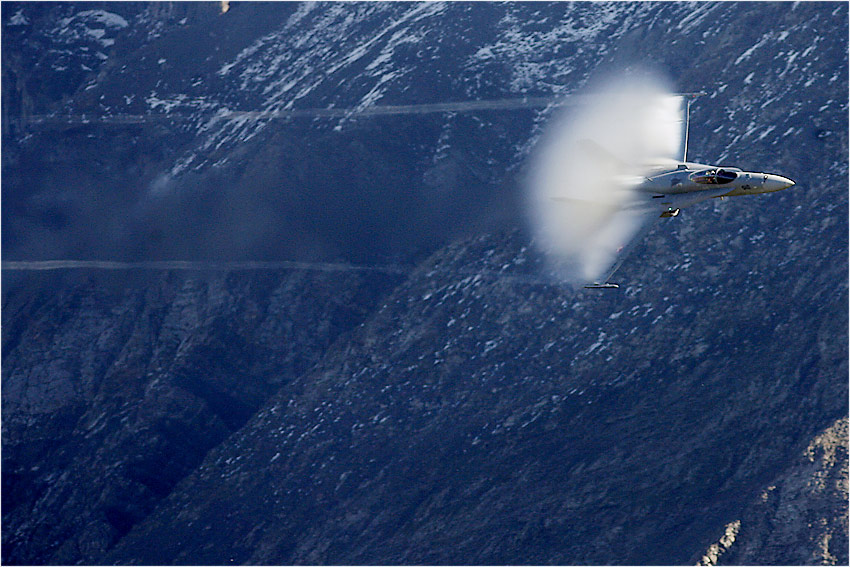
{"points": [[687, 128], [691, 97]]}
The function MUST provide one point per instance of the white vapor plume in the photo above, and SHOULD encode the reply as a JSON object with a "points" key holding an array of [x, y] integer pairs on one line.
{"points": [[581, 192]]}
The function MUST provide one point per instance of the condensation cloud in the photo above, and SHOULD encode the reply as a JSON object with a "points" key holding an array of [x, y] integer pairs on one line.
{"points": [[581, 192]]}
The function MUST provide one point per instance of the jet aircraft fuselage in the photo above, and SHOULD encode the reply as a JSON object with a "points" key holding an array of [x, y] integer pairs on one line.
{"points": [[680, 185]]}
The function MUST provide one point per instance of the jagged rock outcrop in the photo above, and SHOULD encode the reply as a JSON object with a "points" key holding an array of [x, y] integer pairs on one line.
{"points": [[801, 517]]}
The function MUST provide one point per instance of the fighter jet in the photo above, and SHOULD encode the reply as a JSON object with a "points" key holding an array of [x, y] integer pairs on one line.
{"points": [[667, 186]]}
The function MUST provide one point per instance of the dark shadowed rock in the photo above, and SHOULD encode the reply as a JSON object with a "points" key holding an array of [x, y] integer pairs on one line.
{"points": [[111, 396]]}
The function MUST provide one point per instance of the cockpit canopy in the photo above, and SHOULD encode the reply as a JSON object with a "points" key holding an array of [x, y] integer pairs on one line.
{"points": [[713, 176]]}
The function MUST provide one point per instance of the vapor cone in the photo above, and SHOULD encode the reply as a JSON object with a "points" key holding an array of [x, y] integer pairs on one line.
{"points": [[583, 196]]}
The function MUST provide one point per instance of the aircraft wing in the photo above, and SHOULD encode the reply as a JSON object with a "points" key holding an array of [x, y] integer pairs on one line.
{"points": [[598, 236], [625, 229]]}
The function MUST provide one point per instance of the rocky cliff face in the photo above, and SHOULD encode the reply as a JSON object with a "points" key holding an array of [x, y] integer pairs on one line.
{"points": [[434, 437], [801, 517], [468, 411], [111, 396]]}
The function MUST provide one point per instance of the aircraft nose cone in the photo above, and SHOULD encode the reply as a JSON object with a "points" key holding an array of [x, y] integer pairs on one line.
{"points": [[777, 183]]}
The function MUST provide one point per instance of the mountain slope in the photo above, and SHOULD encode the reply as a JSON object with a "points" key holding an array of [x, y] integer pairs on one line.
{"points": [[433, 437], [112, 393], [801, 517], [465, 413]]}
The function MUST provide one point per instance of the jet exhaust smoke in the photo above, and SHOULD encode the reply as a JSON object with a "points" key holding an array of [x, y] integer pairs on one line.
{"points": [[581, 192]]}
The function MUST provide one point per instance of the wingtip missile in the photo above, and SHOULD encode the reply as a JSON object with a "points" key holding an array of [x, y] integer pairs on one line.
{"points": [[602, 286]]}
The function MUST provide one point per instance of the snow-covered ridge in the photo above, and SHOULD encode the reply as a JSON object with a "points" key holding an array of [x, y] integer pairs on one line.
{"points": [[95, 25], [358, 55], [354, 55], [326, 55], [19, 19]]}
